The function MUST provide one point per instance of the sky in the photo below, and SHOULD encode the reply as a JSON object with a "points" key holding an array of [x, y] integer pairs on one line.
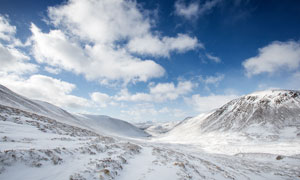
{"points": [[148, 60]]}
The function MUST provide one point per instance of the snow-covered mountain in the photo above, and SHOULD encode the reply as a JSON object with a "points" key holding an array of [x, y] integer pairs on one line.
{"points": [[100, 124], [269, 114], [157, 128], [111, 126], [276, 109], [39, 141]]}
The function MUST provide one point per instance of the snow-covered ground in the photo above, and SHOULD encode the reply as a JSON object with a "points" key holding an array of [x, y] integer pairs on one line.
{"points": [[157, 128], [44, 145], [37, 147]]}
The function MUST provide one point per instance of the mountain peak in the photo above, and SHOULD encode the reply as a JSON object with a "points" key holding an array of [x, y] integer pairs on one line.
{"points": [[271, 97], [262, 113], [275, 92]]}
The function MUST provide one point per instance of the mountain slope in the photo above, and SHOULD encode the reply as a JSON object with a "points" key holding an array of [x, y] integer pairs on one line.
{"points": [[270, 114], [157, 128], [34, 146], [100, 124], [12, 99], [37, 147], [111, 126], [276, 108]]}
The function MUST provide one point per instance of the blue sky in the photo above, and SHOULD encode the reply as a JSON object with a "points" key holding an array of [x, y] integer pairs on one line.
{"points": [[148, 60]]}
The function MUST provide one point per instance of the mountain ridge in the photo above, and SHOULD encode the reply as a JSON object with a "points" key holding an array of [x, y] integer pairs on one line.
{"points": [[273, 114], [102, 124]]}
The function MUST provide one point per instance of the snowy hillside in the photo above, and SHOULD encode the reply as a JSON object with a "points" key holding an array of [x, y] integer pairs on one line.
{"points": [[272, 110], [261, 122], [44, 145], [11, 99], [99, 124], [111, 126], [273, 114], [37, 147], [157, 128]]}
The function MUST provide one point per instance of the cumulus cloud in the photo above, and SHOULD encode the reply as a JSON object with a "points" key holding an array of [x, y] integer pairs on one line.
{"points": [[12, 59], [47, 89], [101, 40], [194, 9], [7, 31], [15, 64], [124, 95], [155, 46], [169, 91], [55, 49], [103, 21], [160, 92], [96, 62], [208, 103], [274, 57]]}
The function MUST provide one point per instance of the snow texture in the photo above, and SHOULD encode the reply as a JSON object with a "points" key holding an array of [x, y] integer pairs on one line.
{"points": [[41, 141]]}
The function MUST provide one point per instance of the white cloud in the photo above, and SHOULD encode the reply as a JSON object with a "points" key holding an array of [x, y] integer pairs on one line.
{"points": [[101, 99], [208, 103], [7, 31], [124, 95], [155, 46], [149, 112], [12, 60], [101, 41], [96, 62], [47, 89], [194, 9], [168, 91], [187, 11], [55, 49], [107, 22], [274, 57], [52, 70], [102, 21], [213, 58], [215, 80], [137, 112], [158, 93], [14, 64]]}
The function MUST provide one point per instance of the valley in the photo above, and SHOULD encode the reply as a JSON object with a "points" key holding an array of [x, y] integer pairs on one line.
{"points": [[54, 144]]}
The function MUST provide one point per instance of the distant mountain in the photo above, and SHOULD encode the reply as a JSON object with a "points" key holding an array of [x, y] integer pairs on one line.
{"points": [[158, 128], [274, 114], [111, 126], [99, 124]]}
